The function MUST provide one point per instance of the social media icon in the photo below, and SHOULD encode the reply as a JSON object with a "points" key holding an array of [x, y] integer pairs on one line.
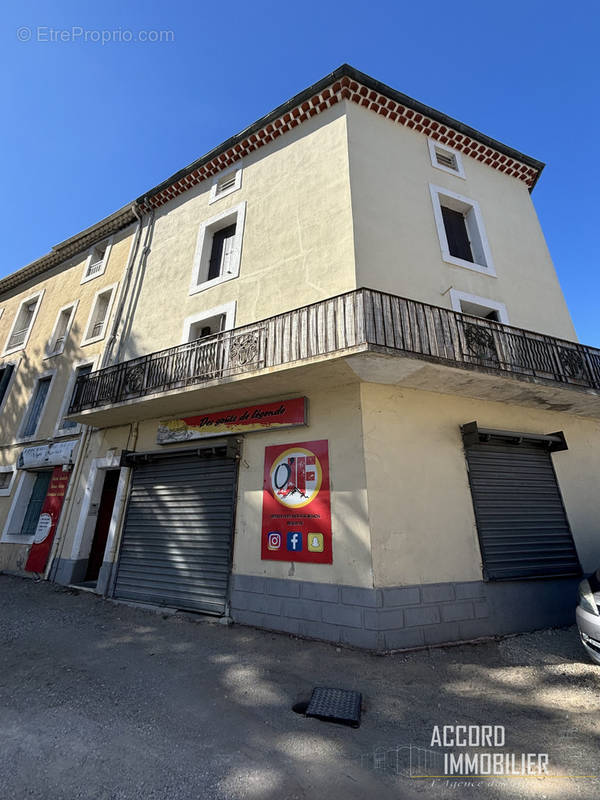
{"points": [[315, 542], [294, 541], [274, 541]]}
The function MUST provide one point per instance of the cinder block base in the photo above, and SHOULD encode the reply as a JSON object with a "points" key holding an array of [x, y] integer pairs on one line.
{"points": [[401, 617]]}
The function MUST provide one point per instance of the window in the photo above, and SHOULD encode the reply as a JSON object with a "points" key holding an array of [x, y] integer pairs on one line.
{"points": [[23, 323], [7, 477], [228, 182], [219, 249], [36, 408], [209, 322], [460, 230], [98, 319], [6, 374], [61, 329], [67, 426], [478, 306], [446, 158], [97, 261], [36, 501]]}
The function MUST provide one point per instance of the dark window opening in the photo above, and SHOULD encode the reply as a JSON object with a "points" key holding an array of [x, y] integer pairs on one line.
{"points": [[459, 244], [221, 252], [5, 376]]}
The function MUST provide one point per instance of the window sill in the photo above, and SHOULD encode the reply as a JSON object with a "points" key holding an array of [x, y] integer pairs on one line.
{"points": [[92, 277], [200, 287], [460, 262], [14, 350], [64, 434], [93, 340]]}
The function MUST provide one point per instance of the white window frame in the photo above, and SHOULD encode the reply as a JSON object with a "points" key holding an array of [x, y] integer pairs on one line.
{"points": [[227, 310], [475, 228], [14, 364], [112, 288], [8, 489], [85, 277], [456, 297], [32, 436], [58, 431], [36, 298], [56, 352], [235, 214], [215, 194], [459, 172], [18, 509]]}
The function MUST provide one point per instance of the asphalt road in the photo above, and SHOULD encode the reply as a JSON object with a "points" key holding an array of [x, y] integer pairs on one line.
{"points": [[101, 700]]}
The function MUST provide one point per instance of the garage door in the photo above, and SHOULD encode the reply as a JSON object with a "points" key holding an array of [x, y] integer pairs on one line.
{"points": [[177, 537], [521, 520]]}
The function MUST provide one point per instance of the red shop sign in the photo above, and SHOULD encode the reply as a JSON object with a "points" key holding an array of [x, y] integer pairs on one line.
{"points": [[296, 522]]}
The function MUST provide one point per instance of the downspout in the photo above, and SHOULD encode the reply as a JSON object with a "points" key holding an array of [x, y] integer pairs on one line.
{"points": [[107, 355], [84, 440]]}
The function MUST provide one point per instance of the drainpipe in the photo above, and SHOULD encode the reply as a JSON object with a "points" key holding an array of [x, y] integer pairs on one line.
{"points": [[124, 290]]}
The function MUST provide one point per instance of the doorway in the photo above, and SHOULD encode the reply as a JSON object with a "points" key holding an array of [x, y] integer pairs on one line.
{"points": [[105, 511]]}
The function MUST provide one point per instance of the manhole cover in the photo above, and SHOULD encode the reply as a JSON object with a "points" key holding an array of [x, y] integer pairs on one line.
{"points": [[335, 705]]}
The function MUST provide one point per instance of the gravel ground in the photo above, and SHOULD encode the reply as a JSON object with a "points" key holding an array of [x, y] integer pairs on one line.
{"points": [[102, 700]]}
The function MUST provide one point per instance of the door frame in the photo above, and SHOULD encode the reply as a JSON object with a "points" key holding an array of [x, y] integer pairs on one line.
{"points": [[86, 523]]}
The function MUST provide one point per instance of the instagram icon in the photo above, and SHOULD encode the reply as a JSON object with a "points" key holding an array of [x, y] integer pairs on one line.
{"points": [[274, 542]]}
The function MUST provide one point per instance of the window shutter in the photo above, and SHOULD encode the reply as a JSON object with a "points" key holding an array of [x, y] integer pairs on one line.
{"points": [[221, 252], [457, 235], [34, 508], [39, 398]]}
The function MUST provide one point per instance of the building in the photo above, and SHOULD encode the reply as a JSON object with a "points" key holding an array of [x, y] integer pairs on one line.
{"points": [[344, 396]]}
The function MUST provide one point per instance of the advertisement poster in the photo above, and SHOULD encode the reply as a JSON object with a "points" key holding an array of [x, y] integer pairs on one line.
{"points": [[46, 527], [296, 521], [280, 414]]}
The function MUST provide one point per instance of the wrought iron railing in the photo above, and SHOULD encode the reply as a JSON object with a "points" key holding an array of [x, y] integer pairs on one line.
{"points": [[360, 318]]}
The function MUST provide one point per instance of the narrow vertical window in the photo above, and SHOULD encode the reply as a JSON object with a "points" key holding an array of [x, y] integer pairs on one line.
{"points": [[221, 252], [34, 412]]}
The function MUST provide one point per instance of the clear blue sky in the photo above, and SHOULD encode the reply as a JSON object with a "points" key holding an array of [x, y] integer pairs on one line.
{"points": [[88, 127]]}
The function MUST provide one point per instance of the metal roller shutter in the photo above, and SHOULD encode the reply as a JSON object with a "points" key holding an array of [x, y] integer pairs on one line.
{"points": [[177, 537], [522, 524]]}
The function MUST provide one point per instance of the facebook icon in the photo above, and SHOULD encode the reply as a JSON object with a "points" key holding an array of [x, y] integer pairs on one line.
{"points": [[294, 540]]}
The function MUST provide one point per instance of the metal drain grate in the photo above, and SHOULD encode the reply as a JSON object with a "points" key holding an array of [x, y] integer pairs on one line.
{"points": [[335, 705]]}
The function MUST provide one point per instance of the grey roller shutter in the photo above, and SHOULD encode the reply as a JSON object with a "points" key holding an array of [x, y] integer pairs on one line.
{"points": [[521, 521], [177, 537]]}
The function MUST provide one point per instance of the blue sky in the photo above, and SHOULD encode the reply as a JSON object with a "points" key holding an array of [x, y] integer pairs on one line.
{"points": [[89, 127]]}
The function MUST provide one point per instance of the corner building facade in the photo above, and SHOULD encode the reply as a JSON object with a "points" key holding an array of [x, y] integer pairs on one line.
{"points": [[344, 397]]}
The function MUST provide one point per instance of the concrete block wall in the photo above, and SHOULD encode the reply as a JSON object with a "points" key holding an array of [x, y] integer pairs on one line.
{"points": [[391, 618]]}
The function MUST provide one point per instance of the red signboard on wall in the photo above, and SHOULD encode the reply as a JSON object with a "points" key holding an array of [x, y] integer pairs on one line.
{"points": [[296, 522], [46, 527]]}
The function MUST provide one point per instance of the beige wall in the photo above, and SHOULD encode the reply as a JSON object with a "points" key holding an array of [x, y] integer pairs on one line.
{"points": [[297, 245], [61, 286], [397, 245], [420, 509]]}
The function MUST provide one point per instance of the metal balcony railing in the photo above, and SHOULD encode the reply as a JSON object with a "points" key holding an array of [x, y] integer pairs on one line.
{"points": [[363, 317]]}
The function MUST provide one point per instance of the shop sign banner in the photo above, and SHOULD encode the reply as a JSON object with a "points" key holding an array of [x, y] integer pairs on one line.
{"points": [[46, 527], [266, 416], [46, 455], [296, 520]]}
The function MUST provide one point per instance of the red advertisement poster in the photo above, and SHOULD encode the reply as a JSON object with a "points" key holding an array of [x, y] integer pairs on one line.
{"points": [[296, 522], [46, 527]]}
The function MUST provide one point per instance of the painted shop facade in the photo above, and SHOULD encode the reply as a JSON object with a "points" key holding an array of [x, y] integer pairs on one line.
{"points": [[322, 381]]}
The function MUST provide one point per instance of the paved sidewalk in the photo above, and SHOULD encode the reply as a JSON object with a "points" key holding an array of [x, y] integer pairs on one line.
{"points": [[100, 700]]}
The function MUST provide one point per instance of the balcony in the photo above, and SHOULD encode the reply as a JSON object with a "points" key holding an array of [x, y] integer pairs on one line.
{"points": [[377, 336]]}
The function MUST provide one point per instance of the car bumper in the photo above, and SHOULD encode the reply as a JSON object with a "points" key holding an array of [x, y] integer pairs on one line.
{"points": [[589, 630]]}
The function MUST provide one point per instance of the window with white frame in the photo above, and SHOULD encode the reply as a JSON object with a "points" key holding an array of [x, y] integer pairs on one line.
{"points": [[478, 306], [7, 478], [98, 320], [209, 322], [445, 158], [35, 409], [226, 183], [219, 249], [97, 260], [23, 323], [67, 426], [61, 329], [462, 236]]}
